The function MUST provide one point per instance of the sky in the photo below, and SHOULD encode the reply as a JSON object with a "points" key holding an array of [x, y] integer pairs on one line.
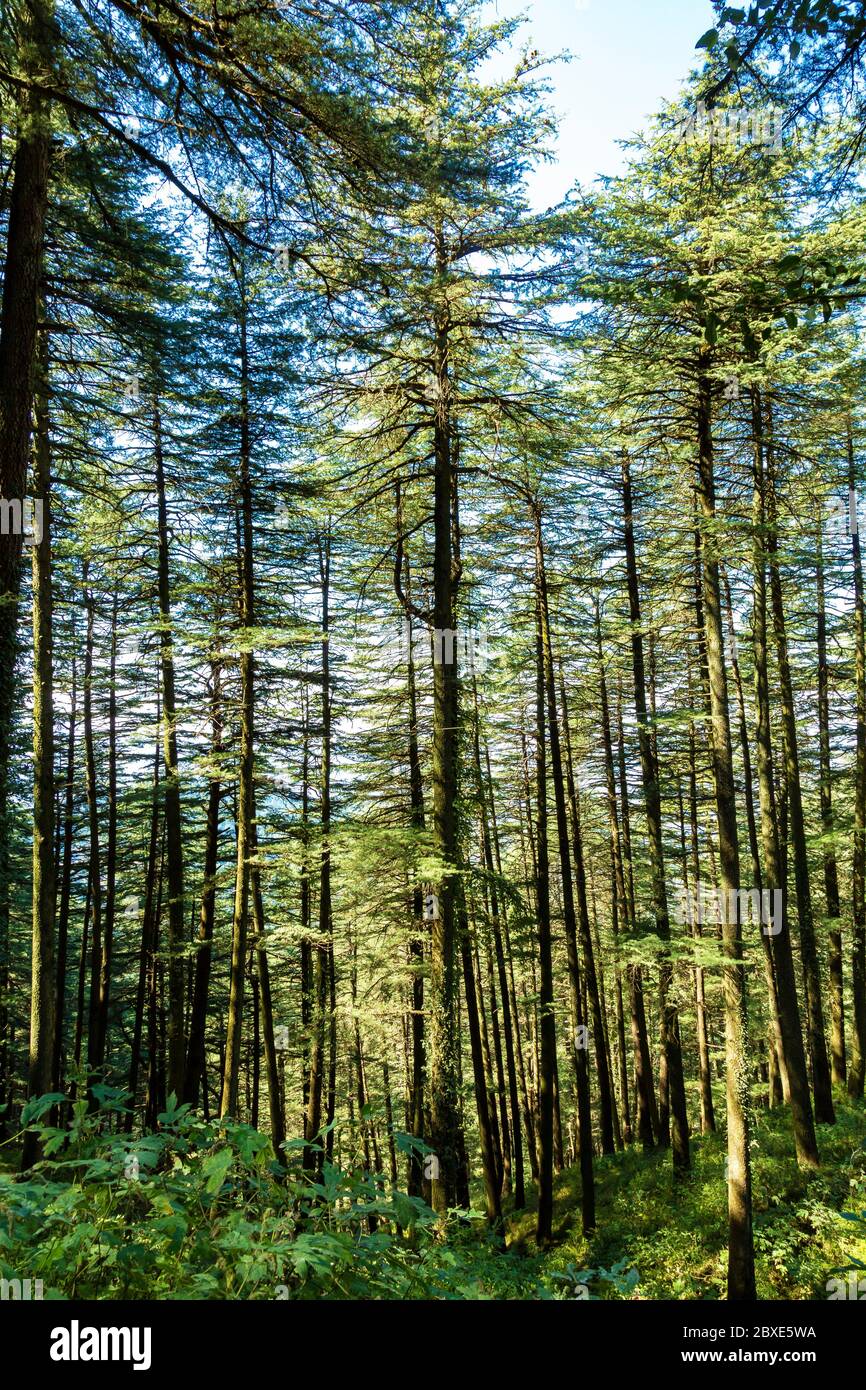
{"points": [[628, 56]]}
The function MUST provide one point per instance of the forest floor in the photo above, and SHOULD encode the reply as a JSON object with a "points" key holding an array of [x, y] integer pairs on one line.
{"points": [[674, 1235], [198, 1211]]}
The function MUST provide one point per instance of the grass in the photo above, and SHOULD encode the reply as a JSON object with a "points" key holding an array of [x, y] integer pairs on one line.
{"points": [[674, 1234]]}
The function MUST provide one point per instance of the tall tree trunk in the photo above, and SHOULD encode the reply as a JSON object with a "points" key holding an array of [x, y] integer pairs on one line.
{"points": [[741, 1255], [503, 937], [620, 912], [324, 946], [493, 1093], [579, 1049], [266, 1009], [817, 1042], [772, 835], [332, 1051], [246, 610], [195, 1056], [708, 1118], [831, 875], [389, 1121], [65, 887], [497, 909], [403, 585], [591, 977], [80, 992], [670, 1028], [19, 318], [857, 1072], [498, 1101], [648, 1119], [485, 1127], [441, 1003], [754, 847], [95, 867], [547, 1022], [42, 988], [173, 822], [254, 1047], [147, 922], [155, 1098], [110, 853], [306, 946]]}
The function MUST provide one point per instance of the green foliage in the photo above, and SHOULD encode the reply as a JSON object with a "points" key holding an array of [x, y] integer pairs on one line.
{"points": [[203, 1211], [657, 1239]]}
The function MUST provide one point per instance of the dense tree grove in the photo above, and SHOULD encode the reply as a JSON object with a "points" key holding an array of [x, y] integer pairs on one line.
{"points": [[432, 638]]}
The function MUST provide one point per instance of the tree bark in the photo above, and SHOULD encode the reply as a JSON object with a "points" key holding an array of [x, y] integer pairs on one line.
{"points": [[741, 1255], [42, 987], [246, 608], [65, 888], [147, 922], [323, 966], [792, 1052], [670, 1029], [173, 821], [547, 1022], [441, 1002], [857, 1072], [831, 874], [195, 1056], [95, 867], [19, 319], [817, 1043]]}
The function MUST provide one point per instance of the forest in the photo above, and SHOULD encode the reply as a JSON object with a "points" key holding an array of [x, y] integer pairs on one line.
{"points": [[432, 662]]}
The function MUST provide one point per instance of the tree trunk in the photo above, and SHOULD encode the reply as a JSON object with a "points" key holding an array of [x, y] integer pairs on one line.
{"points": [[95, 867], [708, 1118], [19, 318], [817, 1042], [147, 923], [441, 1004], [857, 1072], [793, 1055], [607, 1102], [831, 876], [648, 1119], [741, 1255], [547, 1022], [65, 887], [195, 1057], [110, 854], [266, 1008], [416, 801], [485, 1127], [754, 847], [42, 988], [240, 917], [173, 823], [324, 946], [670, 1028]]}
